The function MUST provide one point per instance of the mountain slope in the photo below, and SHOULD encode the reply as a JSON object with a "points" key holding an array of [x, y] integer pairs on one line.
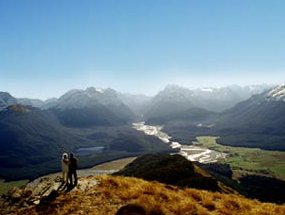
{"points": [[33, 140], [109, 195], [6, 99], [221, 99], [93, 115], [30, 102], [91, 107], [175, 99], [172, 100], [257, 122], [193, 115], [30, 136], [137, 103], [174, 170]]}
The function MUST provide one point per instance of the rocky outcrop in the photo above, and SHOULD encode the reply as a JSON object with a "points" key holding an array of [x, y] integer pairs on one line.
{"points": [[41, 191]]}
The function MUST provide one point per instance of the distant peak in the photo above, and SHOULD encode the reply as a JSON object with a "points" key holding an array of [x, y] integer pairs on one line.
{"points": [[95, 90], [73, 91], [174, 86], [5, 94], [174, 89], [100, 90], [277, 93], [207, 90]]}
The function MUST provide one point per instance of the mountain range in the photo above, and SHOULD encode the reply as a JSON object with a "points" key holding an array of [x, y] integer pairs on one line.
{"points": [[34, 133], [256, 122], [33, 138], [174, 99], [212, 99]]}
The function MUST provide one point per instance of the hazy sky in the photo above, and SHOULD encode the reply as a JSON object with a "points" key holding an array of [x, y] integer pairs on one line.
{"points": [[50, 46]]}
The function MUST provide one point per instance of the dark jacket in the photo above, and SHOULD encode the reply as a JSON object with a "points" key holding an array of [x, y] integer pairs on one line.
{"points": [[72, 164]]}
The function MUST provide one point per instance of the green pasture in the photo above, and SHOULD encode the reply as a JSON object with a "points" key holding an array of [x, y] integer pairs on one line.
{"points": [[248, 159], [5, 186]]}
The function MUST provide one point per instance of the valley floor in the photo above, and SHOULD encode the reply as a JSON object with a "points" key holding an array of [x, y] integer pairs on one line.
{"points": [[244, 161], [190, 152]]}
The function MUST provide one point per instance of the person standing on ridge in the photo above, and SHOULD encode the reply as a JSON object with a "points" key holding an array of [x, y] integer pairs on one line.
{"points": [[72, 170], [64, 167]]}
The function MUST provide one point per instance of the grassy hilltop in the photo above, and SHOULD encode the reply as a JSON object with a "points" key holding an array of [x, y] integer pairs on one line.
{"points": [[111, 193], [151, 185]]}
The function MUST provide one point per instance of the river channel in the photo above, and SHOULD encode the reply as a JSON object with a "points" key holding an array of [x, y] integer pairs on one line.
{"points": [[190, 152]]}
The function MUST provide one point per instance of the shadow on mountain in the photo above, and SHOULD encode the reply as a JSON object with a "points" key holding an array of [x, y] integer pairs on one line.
{"points": [[265, 189], [171, 169], [96, 115], [45, 202], [32, 140], [136, 209]]}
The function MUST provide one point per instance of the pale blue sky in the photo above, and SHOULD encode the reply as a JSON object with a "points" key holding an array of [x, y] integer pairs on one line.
{"points": [[50, 46]]}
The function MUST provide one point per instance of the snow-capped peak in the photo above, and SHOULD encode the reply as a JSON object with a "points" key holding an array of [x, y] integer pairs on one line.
{"points": [[207, 90], [91, 90], [277, 93], [99, 90]]}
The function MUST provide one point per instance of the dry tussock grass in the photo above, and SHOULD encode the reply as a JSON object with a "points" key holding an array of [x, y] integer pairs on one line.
{"points": [[156, 198]]}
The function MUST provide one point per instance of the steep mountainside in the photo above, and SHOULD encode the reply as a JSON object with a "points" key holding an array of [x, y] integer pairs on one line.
{"points": [[30, 102], [137, 103], [32, 141], [81, 108], [171, 100], [277, 94], [93, 115], [257, 122], [174, 99], [6, 99], [30, 136], [194, 115], [221, 99]]}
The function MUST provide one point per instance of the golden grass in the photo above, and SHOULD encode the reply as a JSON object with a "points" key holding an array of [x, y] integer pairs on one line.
{"points": [[116, 164], [114, 192]]}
